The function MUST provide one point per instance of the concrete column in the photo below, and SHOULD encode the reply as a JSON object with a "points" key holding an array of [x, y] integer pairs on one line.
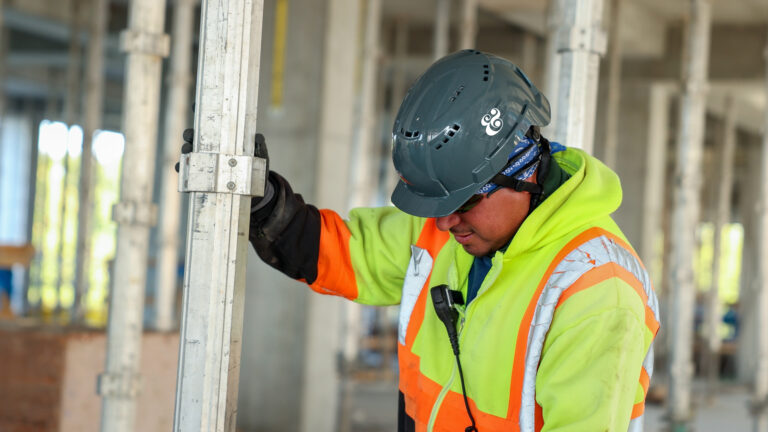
{"points": [[274, 353], [442, 29], [724, 162], [760, 389], [580, 43], [320, 401], [145, 45], [615, 53], [222, 176], [468, 33], [176, 119], [92, 117], [686, 212]]}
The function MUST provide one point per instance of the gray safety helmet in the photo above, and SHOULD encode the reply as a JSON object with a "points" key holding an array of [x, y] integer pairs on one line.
{"points": [[456, 128]]}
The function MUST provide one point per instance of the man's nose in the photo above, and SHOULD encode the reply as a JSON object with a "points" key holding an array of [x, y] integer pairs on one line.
{"points": [[445, 223]]}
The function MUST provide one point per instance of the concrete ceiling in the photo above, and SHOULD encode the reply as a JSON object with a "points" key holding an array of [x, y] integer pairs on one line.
{"points": [[645, 24]]}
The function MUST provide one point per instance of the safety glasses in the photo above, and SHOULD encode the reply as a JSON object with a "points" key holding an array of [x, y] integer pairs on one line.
{"points": [[470, 204]]}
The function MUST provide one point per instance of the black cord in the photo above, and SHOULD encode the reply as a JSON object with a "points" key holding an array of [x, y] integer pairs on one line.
{"points": [[472, 427]]}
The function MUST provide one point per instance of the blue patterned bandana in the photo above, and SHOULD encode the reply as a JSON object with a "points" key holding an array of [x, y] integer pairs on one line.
{"points": [[524, 161]]}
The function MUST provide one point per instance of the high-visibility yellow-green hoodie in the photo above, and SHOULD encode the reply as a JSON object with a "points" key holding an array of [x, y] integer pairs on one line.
{"points": [[559, 336]]}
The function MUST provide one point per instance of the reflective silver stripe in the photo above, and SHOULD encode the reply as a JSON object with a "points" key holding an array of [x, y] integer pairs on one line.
{"points": [[596, 252], [419, 269], [636, 424]]}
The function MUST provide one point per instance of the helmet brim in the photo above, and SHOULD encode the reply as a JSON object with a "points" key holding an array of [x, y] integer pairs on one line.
{"points": [[424, 206]]}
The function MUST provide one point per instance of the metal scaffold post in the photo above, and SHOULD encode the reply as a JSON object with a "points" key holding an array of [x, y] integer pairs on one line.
{"points": [[397, 65], [71, 111], [92, 115], [179, 79], [760, 391], [552, 61], [367, 160], [468, 24], [442, 28], [135, 214], [685, 216], [615, 53], [580, 43], [222, 176], [364, 185], [653, 196], [653, 208], [726, 146]]}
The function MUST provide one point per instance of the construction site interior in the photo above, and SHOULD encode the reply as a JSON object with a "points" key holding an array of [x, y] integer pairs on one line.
{"points": [[96, 250]]}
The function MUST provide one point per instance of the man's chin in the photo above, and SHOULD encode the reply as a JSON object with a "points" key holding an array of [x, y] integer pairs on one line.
{"points": [[476, 250]]}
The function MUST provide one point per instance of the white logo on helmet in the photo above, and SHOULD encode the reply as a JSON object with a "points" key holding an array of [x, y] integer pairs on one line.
{"points": [[492, 122]]}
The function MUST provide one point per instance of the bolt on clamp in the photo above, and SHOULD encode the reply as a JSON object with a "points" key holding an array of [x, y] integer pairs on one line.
{"points": [[222, 173]]}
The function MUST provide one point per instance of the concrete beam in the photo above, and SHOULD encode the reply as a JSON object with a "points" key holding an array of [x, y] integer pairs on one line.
{"points": [[747, 40], [48, 25], [643, 33], [113, 67]]}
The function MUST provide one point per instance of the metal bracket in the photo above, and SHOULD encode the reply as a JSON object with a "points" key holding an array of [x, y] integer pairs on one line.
{"points": [[120, 385], [580, 38], [143, 42], [135, 213], [222, 173]]}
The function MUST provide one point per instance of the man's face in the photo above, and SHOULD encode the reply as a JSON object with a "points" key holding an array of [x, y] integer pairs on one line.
{"points": [[489, 225]]}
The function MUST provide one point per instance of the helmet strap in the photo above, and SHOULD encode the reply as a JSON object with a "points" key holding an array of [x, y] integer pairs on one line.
{"points": [[541, 175], [517, 185]]}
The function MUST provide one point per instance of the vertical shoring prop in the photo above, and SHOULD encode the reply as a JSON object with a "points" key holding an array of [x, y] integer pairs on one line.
{"points": [[397, 64], [760, 394], [726, 147], [222, 175], [442, 29], [653, 204], [71, 111], [613, 106], [685, 216], [552, 61], [580, 43], [178, 80], [92, 115], [145, 45], [468, 32]]}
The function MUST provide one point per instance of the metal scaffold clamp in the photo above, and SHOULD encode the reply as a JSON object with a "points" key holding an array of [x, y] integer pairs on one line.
{"points": [[582, 38], [222, 173], [123, 384], [144, 42], [135, 213]]}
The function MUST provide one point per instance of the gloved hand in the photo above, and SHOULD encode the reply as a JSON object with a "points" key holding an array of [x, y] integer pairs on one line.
{"points": [[259, 150]]}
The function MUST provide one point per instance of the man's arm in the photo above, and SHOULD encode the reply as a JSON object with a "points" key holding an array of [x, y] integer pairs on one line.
{"points": [[363, 258]]}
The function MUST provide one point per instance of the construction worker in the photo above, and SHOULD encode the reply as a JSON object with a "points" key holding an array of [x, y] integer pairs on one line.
{"points": [[522, 305]]}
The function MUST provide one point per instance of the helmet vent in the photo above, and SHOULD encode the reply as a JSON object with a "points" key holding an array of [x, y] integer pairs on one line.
{"points": [[449, 134], [486, 72], [409, 134]]}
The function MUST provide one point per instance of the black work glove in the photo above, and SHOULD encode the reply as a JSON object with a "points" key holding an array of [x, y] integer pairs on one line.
{"points": [[259, 150]]}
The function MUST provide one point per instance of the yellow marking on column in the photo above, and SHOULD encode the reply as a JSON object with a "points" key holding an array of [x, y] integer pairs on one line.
{"points": [[278, 53]]}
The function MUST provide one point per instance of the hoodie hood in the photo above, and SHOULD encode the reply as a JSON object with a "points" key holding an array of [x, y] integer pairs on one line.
{"points": [[588, 198]]}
